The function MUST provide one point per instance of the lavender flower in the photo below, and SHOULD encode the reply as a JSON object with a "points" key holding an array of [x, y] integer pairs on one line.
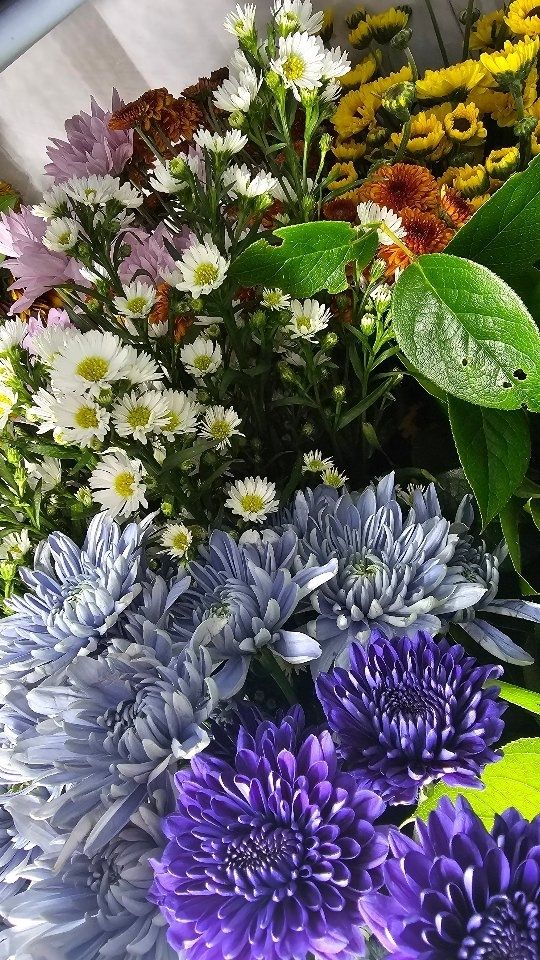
{"points": [[459, 891], [411, 711], [91, 147], [398, 572], [243, 600], [149, 257], [114, 729], [269, 856], [76, 597], [93, 908], [16, 852]]}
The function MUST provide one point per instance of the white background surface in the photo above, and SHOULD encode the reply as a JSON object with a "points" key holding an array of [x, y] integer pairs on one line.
{"points": [[134, 45]]}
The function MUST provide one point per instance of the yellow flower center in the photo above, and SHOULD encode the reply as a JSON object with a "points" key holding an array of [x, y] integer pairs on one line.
{"points": [[205, 273], [273, 299], [173, 422], [181, 541], [303, 322], [139, 416], [86, 418], [92, 368], [124, 484], [220, 430], [5, 400], [64, 238], [252, 502], [202, 362], [294, 67], [137, 304]]}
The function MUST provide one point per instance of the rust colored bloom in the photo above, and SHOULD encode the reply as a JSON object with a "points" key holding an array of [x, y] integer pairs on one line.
{"points": [[160, 310], [342, 208], [201, 90], [182, 324], [141, 112], [455, 208], [403, 185], [425, 233], [166, 119]]}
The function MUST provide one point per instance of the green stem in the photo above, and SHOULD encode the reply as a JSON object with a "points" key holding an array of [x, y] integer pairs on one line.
{"points": [[468, 27], [438, 34], [405, 137], [412, 63], [269, 662]]}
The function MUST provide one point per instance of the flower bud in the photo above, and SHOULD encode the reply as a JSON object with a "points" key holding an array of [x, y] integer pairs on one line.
{"points": [[355, 17], [178, 167], [525, 128], [273, 80], [329, 341], [501, 163], [398, 100], [105, 397], [237, 120], [339, 393], [470, 16], [367, 324], [401, 39], [327, 28], [308, 429], [286, 372], [167, 508], [258, 319]]}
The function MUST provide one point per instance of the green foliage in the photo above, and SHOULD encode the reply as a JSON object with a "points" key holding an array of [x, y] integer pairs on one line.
{"points": [[312, 257], [464, 329], [512, 782], [519, 696], [494, 448]]}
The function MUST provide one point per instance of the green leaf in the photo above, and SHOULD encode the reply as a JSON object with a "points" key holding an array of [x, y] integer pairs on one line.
{"points": [[8, 201], [494, 448], [463, 328], [311, 257], [511, 782], [504, 235], [510, 517], [519, 696], [534, 510]]}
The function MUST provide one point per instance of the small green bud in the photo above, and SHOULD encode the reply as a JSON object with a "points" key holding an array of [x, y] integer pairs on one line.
{"points": [[329, 341], [377, 137], [325, 144], [286, 372], [273, 80], [84, 496], [195, 304], [51, 503], [308, 429], [470, 17], [339, 392], [203, 396], [402, 39], [105, 397], [258, 319], [7, 570], [213, 330], [237, 120], [177, 167], [167, 508], [525, 128], [398, 100], [367, 324]]}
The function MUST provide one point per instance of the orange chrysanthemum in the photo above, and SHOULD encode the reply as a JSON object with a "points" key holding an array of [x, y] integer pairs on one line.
{"points": [[455, 208], [342, 208], [182, 324], [402, 185], [160, 310], [166, 119], [425, 233], [206, 85]]}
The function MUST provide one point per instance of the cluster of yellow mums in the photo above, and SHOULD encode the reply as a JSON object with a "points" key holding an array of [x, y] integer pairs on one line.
{"points": [[472, 123]]}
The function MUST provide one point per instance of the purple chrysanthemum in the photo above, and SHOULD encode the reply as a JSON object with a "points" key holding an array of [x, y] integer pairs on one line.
{"points": [[268, 857], [91, 147], [410, 711], [461, 893]]}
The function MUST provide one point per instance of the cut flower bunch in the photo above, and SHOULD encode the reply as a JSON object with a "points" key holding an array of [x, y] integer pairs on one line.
{"points": [[269, 505]]}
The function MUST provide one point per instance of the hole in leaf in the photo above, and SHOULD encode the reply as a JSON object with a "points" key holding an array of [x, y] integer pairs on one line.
{"points": [[524, 407], [464, 362], [520, 374], [506, 385]]}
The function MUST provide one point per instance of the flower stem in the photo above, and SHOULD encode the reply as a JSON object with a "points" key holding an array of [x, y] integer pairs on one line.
{"points": [[405, 137], [438, 34], [468, 27], [269, 662]]}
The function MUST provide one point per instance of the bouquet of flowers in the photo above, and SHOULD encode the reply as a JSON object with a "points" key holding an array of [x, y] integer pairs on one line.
{"points": [[265, 343]]}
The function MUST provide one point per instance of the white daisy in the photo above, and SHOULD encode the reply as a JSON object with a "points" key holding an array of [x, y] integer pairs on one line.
{"points": [[12, 334], [300, 62], [333, 478], [138, 300], [227, 145], [372, 215], [307, 319], [221, 424], [126, 195], [252, 499], [140, 369], [202, 268], [296, 15], [275, 299], [238, 92], [61, 234], [139, 414], [47, 343], [239, 182], [75, 420], [314, 462], [164, 180], [381, 296], [332, 91], [15, 546], [241, 22], [182, 413], [177, 540], [53, 204], [8, 400], [336, 64], [201, 358], [89, 363], [93, 191], [117, 483], [47, 472]]}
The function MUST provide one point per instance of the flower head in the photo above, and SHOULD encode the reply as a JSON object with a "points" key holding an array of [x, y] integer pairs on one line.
{"points": [[241, 88], [451, 83], [405, 712], [202, 268], [513, 63], [308, 318], [53, 204], [252, 499], [221, 425], [246, 850], [177, 540], [239, 182], [91, 146], [523, 18], [89, 362], [137, 302], [182, 414], [12, 334], [291, 16], [202, 357], [140, 414], [45, 338], [117, 484], [275, 299], [46, 472], [300, 62], [241, 22], [424, 233], [74, 419], [402, 185], [225, 146], [459, 891], [8, 401], [389, 224], [314, 462]]}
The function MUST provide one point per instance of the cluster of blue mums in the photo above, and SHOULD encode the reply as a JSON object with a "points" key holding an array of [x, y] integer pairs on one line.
{"points": [[149, 811]]}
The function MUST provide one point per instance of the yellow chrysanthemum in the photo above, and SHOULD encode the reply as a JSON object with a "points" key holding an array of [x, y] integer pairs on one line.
{"points": [[512, 63], [535, 140], [501, 163], [451, 83], [348, 150], [469, 180], [327, 28], [374, 91], [477, 202], [342, 175], [385, 25], [427, 136], [502, 106], [463, 125], [356, 110], [360, 37], [356, 15], [523, 18], [361, 73], [489, 32]]}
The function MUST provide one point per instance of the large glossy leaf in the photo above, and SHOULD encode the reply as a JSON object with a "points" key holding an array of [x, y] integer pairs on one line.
{"points": [[512, 782], [463, 328], [310, 258], [494, 447], [504, 235], [519, 696]]}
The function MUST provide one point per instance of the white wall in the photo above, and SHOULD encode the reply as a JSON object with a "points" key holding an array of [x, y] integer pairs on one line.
{"points": [[133, 45]]}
